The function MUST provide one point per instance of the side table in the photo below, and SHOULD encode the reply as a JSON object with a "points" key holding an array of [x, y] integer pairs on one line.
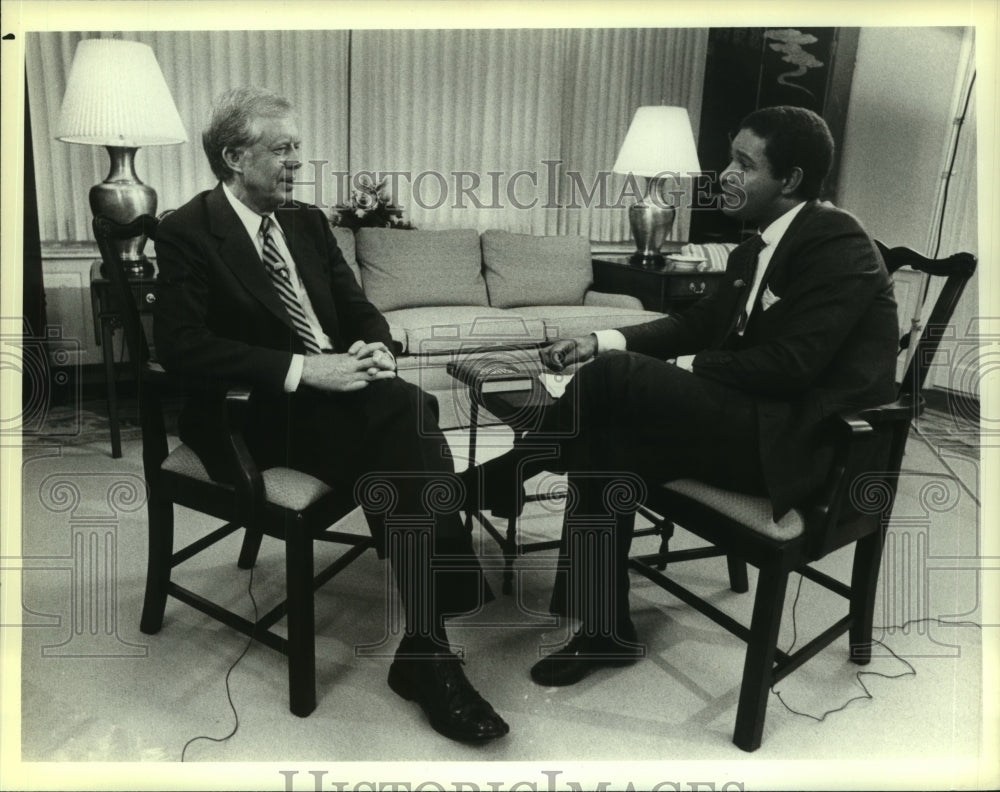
{"points": [[664, 289], [522, 410], [107, 319]]}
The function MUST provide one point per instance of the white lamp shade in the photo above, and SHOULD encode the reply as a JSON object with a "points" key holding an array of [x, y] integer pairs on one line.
{"points": [[116, 96], [658, 141]]}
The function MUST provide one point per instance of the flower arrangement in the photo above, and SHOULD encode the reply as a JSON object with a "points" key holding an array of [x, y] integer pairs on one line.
{"points": [[369, 207]]}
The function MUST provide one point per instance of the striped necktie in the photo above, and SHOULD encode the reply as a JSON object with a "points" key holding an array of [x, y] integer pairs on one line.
{"points": [[277, 268]]}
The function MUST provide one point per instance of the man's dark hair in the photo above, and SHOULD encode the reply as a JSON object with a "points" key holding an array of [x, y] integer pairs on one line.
{"points": [[794, 137], [234, 123]]}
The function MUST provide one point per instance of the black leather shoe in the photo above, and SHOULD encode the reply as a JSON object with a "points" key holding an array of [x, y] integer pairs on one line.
{"points": [[585, 653], [454, 708]]}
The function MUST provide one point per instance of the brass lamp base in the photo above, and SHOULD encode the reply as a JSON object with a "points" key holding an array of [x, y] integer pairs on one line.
{"points": [[122, 197], [650, 225]]}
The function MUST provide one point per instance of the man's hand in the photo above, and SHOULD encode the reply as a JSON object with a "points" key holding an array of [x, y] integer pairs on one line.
{"points": [[376, 352], [569, 350], [343, 372]]}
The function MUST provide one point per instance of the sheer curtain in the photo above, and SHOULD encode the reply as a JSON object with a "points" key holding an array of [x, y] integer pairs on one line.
{"points": [[613, 73], [493, 128], [450, 107], [513, 128], [197, 67]]}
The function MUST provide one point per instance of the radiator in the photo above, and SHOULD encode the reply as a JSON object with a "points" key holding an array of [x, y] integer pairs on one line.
{"points": [[68, 311]]}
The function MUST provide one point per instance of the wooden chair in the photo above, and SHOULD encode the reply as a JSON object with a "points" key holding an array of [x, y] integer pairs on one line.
{"points": [[855, 507], [282, 503], [956, 271]]}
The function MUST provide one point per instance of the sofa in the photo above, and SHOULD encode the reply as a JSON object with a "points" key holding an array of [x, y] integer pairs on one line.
{"points": [[447, 294]]}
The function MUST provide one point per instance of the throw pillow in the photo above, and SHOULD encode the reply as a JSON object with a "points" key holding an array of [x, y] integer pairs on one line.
{"points": [[522, 269], [410, 269]]}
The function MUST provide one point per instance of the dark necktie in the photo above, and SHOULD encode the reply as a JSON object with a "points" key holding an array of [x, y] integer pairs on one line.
{"points": [[751, 254], [277, 268]]}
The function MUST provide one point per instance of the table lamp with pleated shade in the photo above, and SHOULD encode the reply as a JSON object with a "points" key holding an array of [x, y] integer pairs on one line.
{"points": [[116, 97], [659, 145]]}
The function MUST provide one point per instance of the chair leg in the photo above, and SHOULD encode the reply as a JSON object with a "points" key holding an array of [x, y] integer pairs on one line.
{"points": [[737, 574], [509, 554], [251, 547], [158, 564], [864, 584], [301, 620], [758, 668], [666, 534]]}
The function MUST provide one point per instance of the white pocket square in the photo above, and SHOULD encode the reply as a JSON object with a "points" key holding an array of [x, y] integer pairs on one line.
{"points": [[768, 298]]}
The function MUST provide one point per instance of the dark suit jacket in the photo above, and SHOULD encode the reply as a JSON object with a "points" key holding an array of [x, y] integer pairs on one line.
{"points": [[829, 343], [218, 320]]}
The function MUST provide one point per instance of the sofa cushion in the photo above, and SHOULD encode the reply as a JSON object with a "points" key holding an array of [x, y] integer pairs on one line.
{"points": [[535, 270], [566, 321], [434, 329], [610, 300], [345, 241], [409, 269]]}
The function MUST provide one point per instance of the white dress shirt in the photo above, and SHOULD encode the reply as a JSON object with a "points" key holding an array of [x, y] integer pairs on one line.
{"points": [[251, 221], [770, 236]]}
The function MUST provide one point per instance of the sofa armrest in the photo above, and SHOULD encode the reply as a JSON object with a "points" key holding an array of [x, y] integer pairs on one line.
{"points": [[605, 300]]}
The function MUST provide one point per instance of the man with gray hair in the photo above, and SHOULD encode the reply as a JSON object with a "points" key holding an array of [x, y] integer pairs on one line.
{"points": [[253, 290]]}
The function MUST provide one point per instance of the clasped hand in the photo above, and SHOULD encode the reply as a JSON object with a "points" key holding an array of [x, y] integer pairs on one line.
{"points": [[567, 351], [350, 371]]}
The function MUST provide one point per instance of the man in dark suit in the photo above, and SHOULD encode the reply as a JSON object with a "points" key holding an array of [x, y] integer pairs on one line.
{"points": [[253, 290], [802, 326]]}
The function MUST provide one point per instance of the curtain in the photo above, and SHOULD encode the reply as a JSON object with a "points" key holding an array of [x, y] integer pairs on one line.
{"points": [[197, 67], [513, 129], [615, 72], [33, 394], [440, 104], [494, 128]]}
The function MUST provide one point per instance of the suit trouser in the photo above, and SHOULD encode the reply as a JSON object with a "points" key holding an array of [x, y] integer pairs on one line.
{"points": [[381, 448], [629, 421]]}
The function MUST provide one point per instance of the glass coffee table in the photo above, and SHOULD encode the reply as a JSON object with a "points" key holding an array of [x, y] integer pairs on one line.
{"points": [[519, 401], [519, 404]]}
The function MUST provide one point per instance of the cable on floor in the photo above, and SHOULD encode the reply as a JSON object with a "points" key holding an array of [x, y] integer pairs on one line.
{"points": [[229, 694], [911, 671], [795, 602]]}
